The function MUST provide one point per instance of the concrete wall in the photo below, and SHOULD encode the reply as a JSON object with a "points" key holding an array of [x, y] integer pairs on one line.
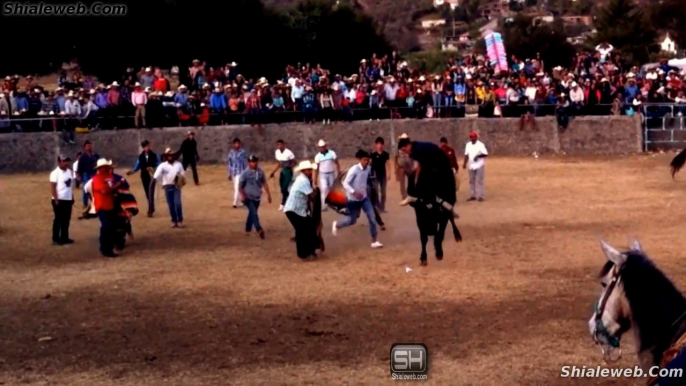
{"points": [[584, 136]]}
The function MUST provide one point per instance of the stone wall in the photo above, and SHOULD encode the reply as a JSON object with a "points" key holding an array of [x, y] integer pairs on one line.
{"points": [[584, 136]]}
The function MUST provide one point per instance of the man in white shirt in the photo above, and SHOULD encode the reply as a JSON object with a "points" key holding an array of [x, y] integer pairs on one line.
{"points": [[327, 170], [285, 161], [171, 174], [576, 96], [61, 180], [474, 155], [356, 188]]}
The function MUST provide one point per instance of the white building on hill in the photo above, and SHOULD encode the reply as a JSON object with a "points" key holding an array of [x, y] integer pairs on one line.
{"points": [[668, 45]]}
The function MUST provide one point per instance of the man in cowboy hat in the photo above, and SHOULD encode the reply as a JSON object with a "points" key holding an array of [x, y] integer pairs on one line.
{"points": [[252, 183], [474, 154], [297, 208], [189, 151], [285, 160], [113, 104], [104, 189], [170, 174], [139, 99], [327, 165]]}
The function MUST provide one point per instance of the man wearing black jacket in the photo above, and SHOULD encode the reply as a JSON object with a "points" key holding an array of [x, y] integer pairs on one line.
{"points": [[147, 162], [189, 151]]}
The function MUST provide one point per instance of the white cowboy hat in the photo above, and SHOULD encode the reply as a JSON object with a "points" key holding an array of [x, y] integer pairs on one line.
{"points": [[363, 61], [182, 87], [321, 143], [637, 102], [206, 85], [379, 83], [102, 163], [631, 75], [410, 80], [603, 80], [422, 78], [574, 84], [137, 84], [169, 94], [91, 92], [404, 135], [115, 84], [563, 94], [71, 94], [148, 69], [305, 165], [147, 89], [233, 64], [373, 92]]}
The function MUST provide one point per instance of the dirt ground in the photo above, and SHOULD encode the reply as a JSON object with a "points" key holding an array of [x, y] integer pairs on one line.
{"points": [[208, 305]]}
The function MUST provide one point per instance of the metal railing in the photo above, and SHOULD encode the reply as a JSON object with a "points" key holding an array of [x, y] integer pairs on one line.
{"points": [[172, 117], [664, 125]]}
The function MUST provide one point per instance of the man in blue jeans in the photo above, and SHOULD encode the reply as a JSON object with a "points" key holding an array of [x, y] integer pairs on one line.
{"points": [[251, 183], [355, 185], [86, 168]]}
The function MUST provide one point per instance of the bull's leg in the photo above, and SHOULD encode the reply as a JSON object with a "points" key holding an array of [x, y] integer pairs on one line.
{"points": [[425, 239], [440, 234]]}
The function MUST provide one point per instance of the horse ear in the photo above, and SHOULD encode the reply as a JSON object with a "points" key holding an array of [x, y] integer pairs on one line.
{"points": [[636, 245], [612, 254]]}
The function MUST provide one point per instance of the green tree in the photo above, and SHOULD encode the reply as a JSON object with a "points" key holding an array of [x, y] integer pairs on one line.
{"points": [[670, 16], [628, 28], [524, 40]]}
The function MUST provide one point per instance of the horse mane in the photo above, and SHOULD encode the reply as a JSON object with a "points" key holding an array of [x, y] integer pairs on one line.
{"points": [[678, 162], [656, 304]]}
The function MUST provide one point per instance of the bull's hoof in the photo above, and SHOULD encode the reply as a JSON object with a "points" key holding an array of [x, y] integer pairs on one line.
{"points": [[439, 255], [424, 263]]}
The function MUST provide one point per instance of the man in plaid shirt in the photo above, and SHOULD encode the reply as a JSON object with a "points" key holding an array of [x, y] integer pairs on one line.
{"points": [[238, 162]]}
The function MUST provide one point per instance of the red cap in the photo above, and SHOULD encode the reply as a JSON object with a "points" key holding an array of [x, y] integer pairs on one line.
{"points": [[473, 134]]}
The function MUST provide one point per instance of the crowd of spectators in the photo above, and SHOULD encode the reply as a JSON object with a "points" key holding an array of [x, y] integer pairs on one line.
{"points": [[597, 83]]}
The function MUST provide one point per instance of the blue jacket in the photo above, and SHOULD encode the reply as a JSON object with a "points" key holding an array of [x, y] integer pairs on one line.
{"points": [[218, 102]]}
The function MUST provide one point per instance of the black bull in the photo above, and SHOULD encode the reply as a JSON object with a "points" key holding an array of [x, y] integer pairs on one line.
{"points": [[432, 217]]}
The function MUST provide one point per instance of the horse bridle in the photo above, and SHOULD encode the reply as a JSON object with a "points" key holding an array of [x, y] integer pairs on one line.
{"points": [[600, 329]]}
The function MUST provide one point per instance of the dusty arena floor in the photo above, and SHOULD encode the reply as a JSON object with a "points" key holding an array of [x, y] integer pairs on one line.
{"points": [[208, 305]]}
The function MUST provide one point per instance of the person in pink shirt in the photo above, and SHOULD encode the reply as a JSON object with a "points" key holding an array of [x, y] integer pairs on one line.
{"points": [[113, 105], [139, 100]]}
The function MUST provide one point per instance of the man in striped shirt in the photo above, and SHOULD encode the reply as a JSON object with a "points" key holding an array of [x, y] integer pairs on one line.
{"points": [[355, 185], [238, 162]]}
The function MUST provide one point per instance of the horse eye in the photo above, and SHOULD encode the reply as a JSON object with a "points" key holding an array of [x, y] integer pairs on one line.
{"points": [[603, 284]]}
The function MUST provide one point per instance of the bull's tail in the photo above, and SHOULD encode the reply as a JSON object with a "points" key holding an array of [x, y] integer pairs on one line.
{"points": [[456, 232]]}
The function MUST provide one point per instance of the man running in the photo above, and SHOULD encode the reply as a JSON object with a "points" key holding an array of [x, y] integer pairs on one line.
{"points": [[327, 167], [355, 184]]}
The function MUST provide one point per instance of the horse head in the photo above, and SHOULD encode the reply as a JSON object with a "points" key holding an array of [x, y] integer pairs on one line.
{"points": [[637, 295]]}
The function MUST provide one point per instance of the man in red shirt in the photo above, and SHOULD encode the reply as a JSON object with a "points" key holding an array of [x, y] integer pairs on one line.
{"points": [[104, 190], [450, 152]]}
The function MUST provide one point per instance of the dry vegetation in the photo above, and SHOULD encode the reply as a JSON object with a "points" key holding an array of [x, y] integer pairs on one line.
{"points": [[208, 305]]}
